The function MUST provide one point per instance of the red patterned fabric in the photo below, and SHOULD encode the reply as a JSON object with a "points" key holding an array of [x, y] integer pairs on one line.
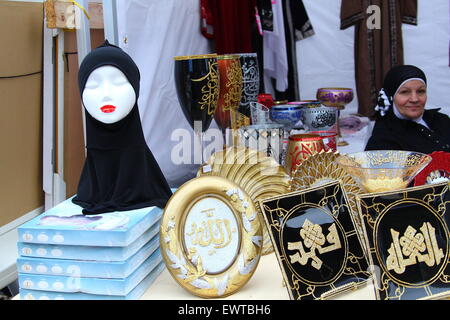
{"points": [[441, 161], [232, 23]]}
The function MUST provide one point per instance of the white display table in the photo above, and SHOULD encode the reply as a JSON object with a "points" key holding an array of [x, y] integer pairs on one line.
{"points": [[266, 284]]}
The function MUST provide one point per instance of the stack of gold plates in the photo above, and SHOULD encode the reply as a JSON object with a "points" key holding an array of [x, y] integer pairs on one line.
{"points": [[257, 174]]}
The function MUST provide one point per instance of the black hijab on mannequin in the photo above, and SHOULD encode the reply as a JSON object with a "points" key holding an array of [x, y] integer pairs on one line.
{"points": [[120, 172]]}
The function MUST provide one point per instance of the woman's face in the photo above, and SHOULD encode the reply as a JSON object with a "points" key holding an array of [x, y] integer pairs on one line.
{"points": [[108, 95], [411, 98]]}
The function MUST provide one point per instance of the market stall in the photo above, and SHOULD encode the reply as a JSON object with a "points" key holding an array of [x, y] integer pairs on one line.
{"points": [[216, 167]]}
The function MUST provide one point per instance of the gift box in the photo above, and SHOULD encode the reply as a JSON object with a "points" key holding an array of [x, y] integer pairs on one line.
{"points": [[97, 286], [90, 253], [88, 269], [134, 294], [65, 224]]}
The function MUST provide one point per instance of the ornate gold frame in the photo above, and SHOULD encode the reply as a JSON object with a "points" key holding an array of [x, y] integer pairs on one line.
{"points": [[185, 264], [353, 267], [373, 209]]}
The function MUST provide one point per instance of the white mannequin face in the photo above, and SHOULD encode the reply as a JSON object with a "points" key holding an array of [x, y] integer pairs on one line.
{"points": [[108, 95]]}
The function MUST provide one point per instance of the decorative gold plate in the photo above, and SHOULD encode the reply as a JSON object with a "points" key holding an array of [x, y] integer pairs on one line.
{"points": [[322, 168], [221, 162], [211, 237], [259, 175]]}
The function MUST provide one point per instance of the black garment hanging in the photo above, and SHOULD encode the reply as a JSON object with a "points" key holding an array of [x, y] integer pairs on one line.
{"points": [[265, 13], [297, 26], [264, 8], [120, 172]]}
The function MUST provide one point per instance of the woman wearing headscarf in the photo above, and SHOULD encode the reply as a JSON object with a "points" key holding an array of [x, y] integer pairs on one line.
{"points": [[403, 122], [120, 172]]}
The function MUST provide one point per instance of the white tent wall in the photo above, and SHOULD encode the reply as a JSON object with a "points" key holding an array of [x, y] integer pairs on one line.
{"points": [[154, 31], [327, 58]]}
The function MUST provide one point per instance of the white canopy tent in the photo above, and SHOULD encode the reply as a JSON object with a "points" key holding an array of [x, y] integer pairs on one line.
{"points": [[153, 32]]}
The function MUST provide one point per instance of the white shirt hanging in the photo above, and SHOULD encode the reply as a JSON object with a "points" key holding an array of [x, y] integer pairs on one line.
{"points": [[275, 54]]}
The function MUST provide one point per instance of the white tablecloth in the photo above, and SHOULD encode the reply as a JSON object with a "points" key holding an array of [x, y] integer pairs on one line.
{"points": [[265, 284]]}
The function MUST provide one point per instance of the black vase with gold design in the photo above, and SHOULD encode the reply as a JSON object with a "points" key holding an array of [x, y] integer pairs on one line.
{"points": [[197, 85], [250, 81]]}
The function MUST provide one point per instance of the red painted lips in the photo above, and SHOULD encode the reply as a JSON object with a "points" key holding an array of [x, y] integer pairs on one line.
{"points": [[108, 108]]}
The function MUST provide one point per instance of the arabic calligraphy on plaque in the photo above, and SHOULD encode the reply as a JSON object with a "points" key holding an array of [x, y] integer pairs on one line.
{"points": [[314, 240], [211, 231], [414, 247]]}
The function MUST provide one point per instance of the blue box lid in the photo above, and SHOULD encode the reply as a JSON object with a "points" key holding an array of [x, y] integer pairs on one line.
{"points": [[65, 224], [87, 253], [88, 269]]}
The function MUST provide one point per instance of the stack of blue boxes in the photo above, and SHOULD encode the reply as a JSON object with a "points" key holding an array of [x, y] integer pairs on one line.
{"points": [[64, 254]]}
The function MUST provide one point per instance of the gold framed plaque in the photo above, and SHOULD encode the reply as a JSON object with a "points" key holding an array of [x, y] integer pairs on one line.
{"points": [[408, 239], [211, 237], [316, 243]]}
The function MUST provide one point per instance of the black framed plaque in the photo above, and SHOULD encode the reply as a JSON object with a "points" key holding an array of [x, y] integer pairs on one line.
{"points": [[317, 246], [408, 239]]}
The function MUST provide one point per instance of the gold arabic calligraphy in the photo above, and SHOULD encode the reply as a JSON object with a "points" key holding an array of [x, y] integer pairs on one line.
{"points": [[210, 90], [211, 231], [413, 245], [313, 238]]}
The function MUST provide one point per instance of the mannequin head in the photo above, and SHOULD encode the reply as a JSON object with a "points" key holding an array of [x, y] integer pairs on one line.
{"points": [[120, 172], [108, 96]]}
